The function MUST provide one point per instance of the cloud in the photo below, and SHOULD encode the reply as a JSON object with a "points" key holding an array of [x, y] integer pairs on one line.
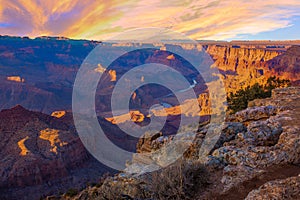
{"points": [[210, 19]]}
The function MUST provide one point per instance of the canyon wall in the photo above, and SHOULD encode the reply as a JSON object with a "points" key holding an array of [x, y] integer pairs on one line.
{"points": [[49, 66], [242, 67]]}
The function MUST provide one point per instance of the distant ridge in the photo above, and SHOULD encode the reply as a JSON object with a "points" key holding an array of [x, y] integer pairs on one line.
{"points": [[286, 42]]}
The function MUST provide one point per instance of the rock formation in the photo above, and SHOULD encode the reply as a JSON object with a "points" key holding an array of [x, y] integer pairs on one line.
{"points": [[242, 67], [41, 155], [279, 189]]}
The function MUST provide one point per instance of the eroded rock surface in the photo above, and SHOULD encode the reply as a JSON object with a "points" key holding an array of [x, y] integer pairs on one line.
{"points": [[272, 138], [279, 189], [41, 155]]}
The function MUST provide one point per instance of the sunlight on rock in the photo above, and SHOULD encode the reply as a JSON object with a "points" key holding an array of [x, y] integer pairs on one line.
{"points": [[21, 144], [51, 135], [58, 114], [16, 79], [100, 69], [135, 116], [190, 107], [113, 75], [171, 57], [133, 96]]}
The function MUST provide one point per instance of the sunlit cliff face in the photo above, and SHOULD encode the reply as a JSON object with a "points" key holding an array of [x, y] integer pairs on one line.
{"points": [[211, 19]]}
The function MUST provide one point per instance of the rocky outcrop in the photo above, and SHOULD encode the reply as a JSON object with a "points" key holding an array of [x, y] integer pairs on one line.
{"points": [[279, 189], [271, 139], [133, 115], [58, 114], [254, 114], [256, 140]]}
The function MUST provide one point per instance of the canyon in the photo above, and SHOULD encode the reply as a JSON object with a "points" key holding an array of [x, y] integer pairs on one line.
{"points": [[41, 149], [43, 70]]}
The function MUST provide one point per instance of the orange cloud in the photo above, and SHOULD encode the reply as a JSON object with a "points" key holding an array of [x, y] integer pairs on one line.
{"points": [[210, 19]]}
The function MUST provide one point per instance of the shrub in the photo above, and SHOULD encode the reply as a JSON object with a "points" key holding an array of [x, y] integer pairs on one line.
{"points": [[181, 180], [240, 99], [113, 189], [72, 192]]}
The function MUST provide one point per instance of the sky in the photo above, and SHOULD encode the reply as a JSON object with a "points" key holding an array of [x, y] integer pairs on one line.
{"points": [[197, 19]]}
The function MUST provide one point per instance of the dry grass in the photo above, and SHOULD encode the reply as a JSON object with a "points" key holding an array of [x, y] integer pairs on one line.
{"points": [[181, 180]]}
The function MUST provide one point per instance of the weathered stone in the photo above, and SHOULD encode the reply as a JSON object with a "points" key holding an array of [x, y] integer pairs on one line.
{"points": [[279, 189], [235, 175], [254, 114]]}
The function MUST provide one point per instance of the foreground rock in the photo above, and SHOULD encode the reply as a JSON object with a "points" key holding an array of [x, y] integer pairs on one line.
{"points": [[279, 189], [261, 137], [272, 138]]}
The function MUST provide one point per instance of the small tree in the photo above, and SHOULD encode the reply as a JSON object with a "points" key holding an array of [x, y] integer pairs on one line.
{"points": [[240, 99]]}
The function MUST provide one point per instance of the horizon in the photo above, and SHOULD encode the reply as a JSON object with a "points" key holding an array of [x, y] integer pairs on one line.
{"points": [[70, 38]]}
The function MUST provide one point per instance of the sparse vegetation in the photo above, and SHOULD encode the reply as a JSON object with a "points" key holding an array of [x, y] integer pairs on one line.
{"points": [[240, 99], [111, 190], [181, 180], [71, 192], [116, 189]]}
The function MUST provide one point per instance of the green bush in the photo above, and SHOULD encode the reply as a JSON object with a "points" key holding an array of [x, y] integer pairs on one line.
{"points": [[240, 99]]}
